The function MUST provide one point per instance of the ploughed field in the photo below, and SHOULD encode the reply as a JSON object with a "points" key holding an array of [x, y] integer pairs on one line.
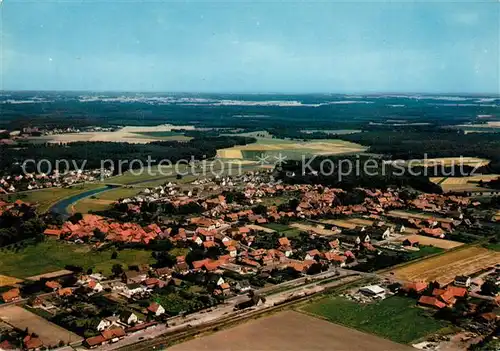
{"points": [[444, 268], [49, 333], [290, 331]]}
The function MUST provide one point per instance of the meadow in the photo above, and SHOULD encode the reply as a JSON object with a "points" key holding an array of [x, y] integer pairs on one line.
{"points": [[45, 198], [52, 255], [395, 318]]}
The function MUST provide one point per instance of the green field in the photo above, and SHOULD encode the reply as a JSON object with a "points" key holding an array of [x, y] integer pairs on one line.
{"points": [[103, 201], [52, 255], [395, 318], [45, 198], [425, 251]]}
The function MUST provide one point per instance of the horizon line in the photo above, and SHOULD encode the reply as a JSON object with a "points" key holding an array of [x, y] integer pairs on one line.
{"points": [[250, 93]]}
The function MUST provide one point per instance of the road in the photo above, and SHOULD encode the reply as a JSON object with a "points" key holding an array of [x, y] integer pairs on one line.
{"points": [[225, 313]]}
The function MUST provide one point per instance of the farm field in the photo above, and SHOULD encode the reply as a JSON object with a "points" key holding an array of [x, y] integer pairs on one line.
{"points": [[418, 215], [289, 149], [428, 241], [451, 161], [463, 183], [49, 333], [306, 227], [341, 223], [129, 134], [291, 331], [45, 198], [52, 255], [444, 268], [288, 230], [395, 318], [8, 281]]}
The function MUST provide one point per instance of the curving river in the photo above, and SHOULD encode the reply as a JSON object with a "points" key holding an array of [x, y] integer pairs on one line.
{"points": [[61, 207]]}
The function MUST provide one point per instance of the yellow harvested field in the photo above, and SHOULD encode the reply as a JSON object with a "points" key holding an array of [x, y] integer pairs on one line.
{"points": [[451, 161], [230, 153], [428, 241], [49, 333], [8, 281], [323, 147], [341, 223], [315, 229], [361, 221], [463, 183], [423, 216], [129, 134], [444, 268], [291, 331], [50, 275]]}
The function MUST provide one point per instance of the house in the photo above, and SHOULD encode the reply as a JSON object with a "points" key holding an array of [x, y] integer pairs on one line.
{"points": [[156, 309], [165, 272], [132, 289], [152, 283], [113, 334], [374, 291], [312, 254], [128, 318], [462, 280], [52, 285], [133, 277], [64, 292], [226, 288], [95, 286], [108, 322], [11, 295], [243, 286], [56, 233], [32, 343], [416, 287], [410, 242], [232, 251], [94, 341], [430, 301]]}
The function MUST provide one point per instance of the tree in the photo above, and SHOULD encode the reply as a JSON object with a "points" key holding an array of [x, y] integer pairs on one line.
{"points": [[114, 255], [117, 269], [489, 288]]}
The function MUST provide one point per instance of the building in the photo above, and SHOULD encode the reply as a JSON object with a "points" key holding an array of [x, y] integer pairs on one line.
{"points": [[156, 309], [462, 281], [374, 291]]}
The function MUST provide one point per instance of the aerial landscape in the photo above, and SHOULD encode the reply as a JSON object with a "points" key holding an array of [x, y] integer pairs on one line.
{"points": [[249, 176]]}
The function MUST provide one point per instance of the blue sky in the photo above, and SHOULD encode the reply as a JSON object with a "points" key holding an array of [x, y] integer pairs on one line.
{"points": [[209, 46]]}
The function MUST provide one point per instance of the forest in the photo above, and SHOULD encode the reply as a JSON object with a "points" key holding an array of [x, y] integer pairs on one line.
{"points": [[12, 158]]}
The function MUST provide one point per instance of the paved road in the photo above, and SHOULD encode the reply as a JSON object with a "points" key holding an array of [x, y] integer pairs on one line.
{"points": [[226, 310]]}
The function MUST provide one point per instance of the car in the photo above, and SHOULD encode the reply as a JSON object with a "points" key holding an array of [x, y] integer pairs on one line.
{"points": [[141, 338]]}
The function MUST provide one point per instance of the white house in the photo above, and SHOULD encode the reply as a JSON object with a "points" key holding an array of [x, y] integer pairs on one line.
{"points": [[156, 309], [220, 281], [128, 318]]}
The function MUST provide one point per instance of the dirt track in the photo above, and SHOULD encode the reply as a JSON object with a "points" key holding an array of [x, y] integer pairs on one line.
{"points": [[289, 331]]}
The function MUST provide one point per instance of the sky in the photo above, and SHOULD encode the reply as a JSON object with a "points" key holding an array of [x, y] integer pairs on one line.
{"points": [[253, 46]]}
